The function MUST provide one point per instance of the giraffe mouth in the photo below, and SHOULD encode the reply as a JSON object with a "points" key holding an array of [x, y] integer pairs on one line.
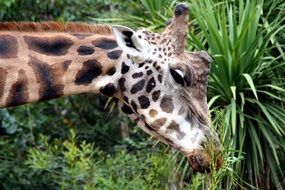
{"points": [[203, 162]]}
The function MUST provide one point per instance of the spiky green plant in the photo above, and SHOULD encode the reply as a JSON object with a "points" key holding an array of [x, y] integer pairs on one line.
{"points": [[243, 83], [247, 82]]}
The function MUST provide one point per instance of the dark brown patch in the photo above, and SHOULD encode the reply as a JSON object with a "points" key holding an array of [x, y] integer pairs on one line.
{"points": [[174, 127], [85, 50], [126, 99], [152, 113], [155, 63], [128, 39], [150, 85], [158, 123], [149, 72], [138, 86], [134, 105], [49, 77], [89, 71], [159, 77], [111, 71], [108, 90], [141, 65], [105, 43], [114, 54], [137, 75], [167, 104], [8, 47], [3, 74], [157, 68], [156, 95], [55, 46], [18, 93], [122, 82], [125, 68], [126, 109], [144, 102]]}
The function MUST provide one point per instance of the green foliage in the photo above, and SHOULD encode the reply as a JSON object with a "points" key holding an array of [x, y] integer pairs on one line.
{"points": [[143, 13], [74, 164], [66, 10], [243, 84], [39, 149], [246, 86]]}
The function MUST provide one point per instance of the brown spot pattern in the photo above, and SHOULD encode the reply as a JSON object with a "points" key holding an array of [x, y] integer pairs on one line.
{"points": [[108, 90], [49, 77], [111, 71], [54, 46], [174, 127], [85, 50], [155, 95], [114, 54], [152, 113], [18, 93], [134, 105], [138, 86], [144, 102], [89, 71], [167, 104], [8, 47], [158, 123], [105, 43]]}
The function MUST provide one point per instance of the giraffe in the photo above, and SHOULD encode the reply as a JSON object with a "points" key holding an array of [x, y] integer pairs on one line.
{"points": [[157, 83]]}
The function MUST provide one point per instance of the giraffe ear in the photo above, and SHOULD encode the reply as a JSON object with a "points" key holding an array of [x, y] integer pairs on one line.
{"points": [[128, 40]]}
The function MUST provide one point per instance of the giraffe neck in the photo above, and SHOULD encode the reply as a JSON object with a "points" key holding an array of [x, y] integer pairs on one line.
{"points": [[36, 66]]}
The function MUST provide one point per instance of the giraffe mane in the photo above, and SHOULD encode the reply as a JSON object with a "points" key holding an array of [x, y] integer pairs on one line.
{"points": [[52, 26]]}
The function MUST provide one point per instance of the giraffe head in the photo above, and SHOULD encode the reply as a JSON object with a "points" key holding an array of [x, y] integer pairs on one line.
{"points": [[163, 88]]}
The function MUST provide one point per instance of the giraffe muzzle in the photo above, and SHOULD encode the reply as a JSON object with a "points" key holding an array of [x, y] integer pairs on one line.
{"points": [[204, 161], [181, 9]]}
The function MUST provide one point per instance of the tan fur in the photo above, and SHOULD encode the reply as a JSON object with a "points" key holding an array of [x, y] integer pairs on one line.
{"points": [[72, 27]]}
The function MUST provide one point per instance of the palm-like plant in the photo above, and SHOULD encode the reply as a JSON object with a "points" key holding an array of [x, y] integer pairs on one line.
{"points": [[244, 84], [247, 84]]}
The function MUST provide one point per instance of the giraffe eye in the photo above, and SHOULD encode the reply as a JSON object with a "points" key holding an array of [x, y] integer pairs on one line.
{"points": [[177, 75]]}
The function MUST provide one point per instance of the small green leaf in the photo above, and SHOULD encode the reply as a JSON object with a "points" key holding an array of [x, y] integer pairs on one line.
{"points": [[210, 103], [251, 84]]}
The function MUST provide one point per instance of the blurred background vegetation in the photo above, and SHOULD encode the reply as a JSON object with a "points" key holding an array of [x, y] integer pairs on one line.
{"points": [[83, 142]]}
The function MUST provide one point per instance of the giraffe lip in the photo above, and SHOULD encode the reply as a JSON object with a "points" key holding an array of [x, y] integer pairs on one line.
{"points": [[202, 162]]}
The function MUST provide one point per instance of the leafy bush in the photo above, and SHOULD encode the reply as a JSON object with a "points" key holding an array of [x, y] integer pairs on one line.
{"points": [[77, 165]]}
